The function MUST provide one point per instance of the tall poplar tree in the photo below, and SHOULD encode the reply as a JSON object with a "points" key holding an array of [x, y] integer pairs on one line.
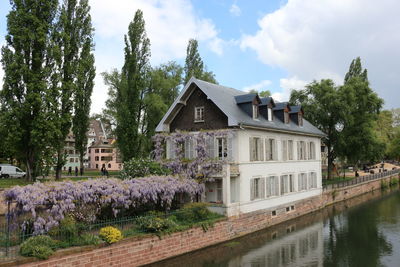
{"points": [[194, 65], [75, 61], [131, 92], [25, 97]]}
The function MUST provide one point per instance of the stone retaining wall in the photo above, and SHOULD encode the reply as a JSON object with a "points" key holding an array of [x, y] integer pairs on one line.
{"points": [[139, 251]]}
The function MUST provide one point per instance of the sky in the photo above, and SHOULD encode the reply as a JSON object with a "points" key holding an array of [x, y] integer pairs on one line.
{"points": [[271, 45]]}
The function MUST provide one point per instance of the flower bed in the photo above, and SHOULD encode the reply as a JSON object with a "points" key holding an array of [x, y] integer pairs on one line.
{"points": [[43, 205]]}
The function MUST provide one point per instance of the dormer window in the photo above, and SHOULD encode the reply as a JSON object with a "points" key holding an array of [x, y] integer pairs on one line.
{"points": [[199, 114], [269, 114], [286, 115], [300, 119], [255, 112]]}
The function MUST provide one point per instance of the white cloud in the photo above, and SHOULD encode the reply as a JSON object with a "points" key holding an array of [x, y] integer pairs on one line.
{"points": [[261, 86], [169, 26], [287, 85], [235, 10], [314, 39]]}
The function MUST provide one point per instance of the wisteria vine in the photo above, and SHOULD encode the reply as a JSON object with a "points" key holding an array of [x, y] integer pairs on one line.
{"points": [[202, 166], [46, 204]]}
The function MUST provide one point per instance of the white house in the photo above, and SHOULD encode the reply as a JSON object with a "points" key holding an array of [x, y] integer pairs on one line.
{"points": [[271, 156]]}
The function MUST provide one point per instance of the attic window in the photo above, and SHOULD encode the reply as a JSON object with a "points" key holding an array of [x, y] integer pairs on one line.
{"points": [[300, 119], [286, 117], [199, 114], [255, 112], [270, 114]]}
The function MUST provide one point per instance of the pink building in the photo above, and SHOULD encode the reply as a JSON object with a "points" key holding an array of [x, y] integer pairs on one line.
{"points": [[104, 153]]}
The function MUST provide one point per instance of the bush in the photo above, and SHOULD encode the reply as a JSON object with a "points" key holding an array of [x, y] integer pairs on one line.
{"points": [[393, 181], [67, 230], [88, 239], [155, 223], [110, 234], [40, 246], [142, 167], [194, 212]]}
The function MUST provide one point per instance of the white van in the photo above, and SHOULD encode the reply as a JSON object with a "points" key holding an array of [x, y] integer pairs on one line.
{"points": [[9, 171]]}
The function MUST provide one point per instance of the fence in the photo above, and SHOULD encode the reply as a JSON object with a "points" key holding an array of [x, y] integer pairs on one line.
{"points": [[361, 179], [12, 235]]}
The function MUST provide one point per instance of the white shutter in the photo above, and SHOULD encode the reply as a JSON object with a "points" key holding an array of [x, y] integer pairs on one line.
{"points": [[230, 148], [251, 148], [252, 189], [284, 150], [260, 149], [262, 188], [276, 185], [267, 150]]}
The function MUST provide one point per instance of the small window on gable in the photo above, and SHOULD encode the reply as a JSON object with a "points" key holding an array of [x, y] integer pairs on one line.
{"points": [[286, 114], [199, 114], [255, 112], [300, 119], [269, 114]]}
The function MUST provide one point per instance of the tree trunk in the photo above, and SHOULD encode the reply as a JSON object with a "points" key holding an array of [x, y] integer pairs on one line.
{"points": [[330, 162], [81, 162], [59, 164], [30, 168]]}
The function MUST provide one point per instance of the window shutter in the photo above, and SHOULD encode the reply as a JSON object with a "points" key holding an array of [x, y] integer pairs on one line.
{"points": [[171, 149], [251, 148], [262, 187], [261, 150], [284, 150], [276, 185], [210, 147], [252, 189], [274, 150]]}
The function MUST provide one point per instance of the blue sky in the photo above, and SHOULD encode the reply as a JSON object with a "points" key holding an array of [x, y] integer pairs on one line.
{"points": [[274, 45]]}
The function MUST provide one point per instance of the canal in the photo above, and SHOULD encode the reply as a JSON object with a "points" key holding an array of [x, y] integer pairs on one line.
{"points": [[362, 231]]}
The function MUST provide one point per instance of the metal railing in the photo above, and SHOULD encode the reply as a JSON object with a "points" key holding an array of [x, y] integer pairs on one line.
{"points": [[361, 179]]}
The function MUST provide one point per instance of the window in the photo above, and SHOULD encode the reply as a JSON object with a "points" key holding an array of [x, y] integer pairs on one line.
{"points": [[89, 150], [256, 149], [301, 150], [210, 147], [96, 158], [96, 151], [272, 186], [284, 150], [219, 190], [290, 149], [97, 166], [286, 116], [273, 213], [106, 158], [257, 188], [71, 160], [311, 151], [109, 165], [302, 181], [255, 112], [270, 114], [284, 184], [312, 180], [270, 149], [71, 152], [106, 151], [222, 148], [291, 183], [198, 114], [189, 149], [300, 118], [76, 159]]}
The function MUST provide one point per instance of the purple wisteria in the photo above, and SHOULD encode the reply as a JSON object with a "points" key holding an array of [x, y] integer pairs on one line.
{"points": [[46, 204], [203, 165]]}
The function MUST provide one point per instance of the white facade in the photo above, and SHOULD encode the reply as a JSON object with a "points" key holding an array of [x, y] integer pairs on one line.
{"points": [[249, 184]]}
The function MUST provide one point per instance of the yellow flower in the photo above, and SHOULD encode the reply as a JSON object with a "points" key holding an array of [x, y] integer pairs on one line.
{"points": [[110, 234]]}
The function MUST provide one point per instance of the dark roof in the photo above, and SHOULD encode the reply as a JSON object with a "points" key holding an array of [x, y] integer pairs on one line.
{"points": [[281, 105], [266, 100], [295, 109], [240, 99], [225, 99]]}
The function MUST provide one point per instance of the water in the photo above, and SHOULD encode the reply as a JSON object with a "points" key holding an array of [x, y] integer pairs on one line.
{"points": [[363, 231]]}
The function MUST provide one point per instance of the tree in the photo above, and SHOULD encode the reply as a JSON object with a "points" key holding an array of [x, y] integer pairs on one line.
{"points": [[383, 128], [85, 74], [394, 146], [194, 66], [324, 108], [75, 61], [26, 96], [359, 142], [131, 90], [264, 93], [113, 80]]}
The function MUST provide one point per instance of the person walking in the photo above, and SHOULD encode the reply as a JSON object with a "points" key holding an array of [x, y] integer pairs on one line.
{"points": [[69, 170], [76, 171]]}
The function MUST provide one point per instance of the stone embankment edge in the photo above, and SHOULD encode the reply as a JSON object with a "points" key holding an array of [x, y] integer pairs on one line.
{"points": [[136, 251]]}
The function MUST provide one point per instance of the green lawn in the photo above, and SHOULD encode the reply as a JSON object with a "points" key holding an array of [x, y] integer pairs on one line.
{"points": [[336, 180], [10, 182]]}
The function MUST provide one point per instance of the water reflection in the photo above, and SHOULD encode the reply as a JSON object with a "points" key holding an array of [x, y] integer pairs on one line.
{"points": [[346, 234]]}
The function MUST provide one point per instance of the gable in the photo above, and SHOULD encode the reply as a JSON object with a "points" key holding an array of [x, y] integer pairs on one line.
{"points": [[184, 120]]}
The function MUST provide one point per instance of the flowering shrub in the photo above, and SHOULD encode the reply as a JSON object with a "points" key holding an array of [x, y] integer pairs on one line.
{"points": [[44, 205], [142, 167], [203, 166], [110, 234]]}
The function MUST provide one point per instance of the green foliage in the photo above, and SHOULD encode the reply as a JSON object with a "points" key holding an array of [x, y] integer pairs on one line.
{"points": [[194, 212], [384, 184], [394, 146], [141, 167], [155, 222], [393, 181], [194, 66], [40, 246], [67, 230], [131, 89]]}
